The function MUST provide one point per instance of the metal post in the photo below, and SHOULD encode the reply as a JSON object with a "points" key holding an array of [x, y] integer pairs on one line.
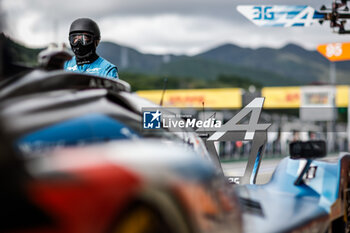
{"points": [[331, 137], [332, 73]]}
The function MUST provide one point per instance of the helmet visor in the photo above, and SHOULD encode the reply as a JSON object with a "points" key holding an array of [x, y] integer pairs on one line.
{"points": [[84, 38]]}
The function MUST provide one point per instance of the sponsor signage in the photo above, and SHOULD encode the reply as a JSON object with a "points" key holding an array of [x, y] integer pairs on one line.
{"points": [[280, 15], [231, 98], [342, 96], [281, 97], [318, 103], [335, 51], [212, 98]]}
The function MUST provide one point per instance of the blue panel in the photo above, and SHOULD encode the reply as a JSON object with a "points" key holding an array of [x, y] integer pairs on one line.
{"points": [[318, 15], [284, 177], [294, 205], [86, 129], [324, 186]]}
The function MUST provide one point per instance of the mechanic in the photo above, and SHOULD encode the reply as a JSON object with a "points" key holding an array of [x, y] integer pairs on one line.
{"points": [[84, 37]]}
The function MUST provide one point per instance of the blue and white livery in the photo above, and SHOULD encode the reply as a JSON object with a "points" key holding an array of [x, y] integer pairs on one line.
{"points": [[100, 67], [280, 16]]}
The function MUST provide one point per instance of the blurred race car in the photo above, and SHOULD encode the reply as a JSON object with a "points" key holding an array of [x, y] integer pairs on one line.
{"points": [[45, 109], [125, 186], [133, 186], [145, 186]]}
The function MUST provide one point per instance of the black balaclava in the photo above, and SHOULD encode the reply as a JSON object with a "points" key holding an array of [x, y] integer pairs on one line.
{"points": [[85, 54]]}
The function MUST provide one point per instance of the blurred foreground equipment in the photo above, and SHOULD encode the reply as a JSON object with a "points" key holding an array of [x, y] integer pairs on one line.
{"points": [[54, 56]]}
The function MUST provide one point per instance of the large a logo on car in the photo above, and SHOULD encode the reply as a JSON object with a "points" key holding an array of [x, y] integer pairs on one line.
{"points": [[151, 119]]}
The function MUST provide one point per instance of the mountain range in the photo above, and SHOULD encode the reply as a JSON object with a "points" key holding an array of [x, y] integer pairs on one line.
{"points": [[289, 65]]}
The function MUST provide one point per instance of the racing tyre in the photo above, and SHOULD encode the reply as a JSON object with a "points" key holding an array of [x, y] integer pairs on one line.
{"points": [[141, 219], [156, 212]]}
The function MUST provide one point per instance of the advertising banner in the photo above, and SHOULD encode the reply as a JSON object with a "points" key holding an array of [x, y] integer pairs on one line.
{"points": [[211, 98], [318, 103], [281, 97], [335, 51]]}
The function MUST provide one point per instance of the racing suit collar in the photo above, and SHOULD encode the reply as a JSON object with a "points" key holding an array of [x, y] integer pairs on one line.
{"points": [[86, 60]]}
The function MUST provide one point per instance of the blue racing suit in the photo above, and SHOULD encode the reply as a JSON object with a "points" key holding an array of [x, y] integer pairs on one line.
{"points": [[100, 67]]}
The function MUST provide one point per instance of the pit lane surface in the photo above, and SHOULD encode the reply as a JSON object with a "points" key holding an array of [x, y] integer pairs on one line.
{"points": [[266, 168]]}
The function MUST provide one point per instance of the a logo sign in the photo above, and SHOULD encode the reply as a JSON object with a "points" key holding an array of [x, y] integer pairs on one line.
{"points": [[151, 119], [335, 51], [163, 118], [93, 70], [243, 126], [72, 68], [280, 15]]}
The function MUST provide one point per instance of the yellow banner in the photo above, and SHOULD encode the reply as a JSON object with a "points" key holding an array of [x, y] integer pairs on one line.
{"points": [[275, 97], [289, 97], [281, 97], [212, 98], [342, 96]]}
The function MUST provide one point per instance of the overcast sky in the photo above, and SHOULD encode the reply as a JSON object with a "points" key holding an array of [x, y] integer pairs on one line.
{"points": [[159, 26]]}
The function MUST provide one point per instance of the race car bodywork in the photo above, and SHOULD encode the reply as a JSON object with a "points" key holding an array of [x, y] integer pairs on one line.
{"points": [[303, 195], [161, 185], [319, 204], [48, 109], [125, 186]]}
